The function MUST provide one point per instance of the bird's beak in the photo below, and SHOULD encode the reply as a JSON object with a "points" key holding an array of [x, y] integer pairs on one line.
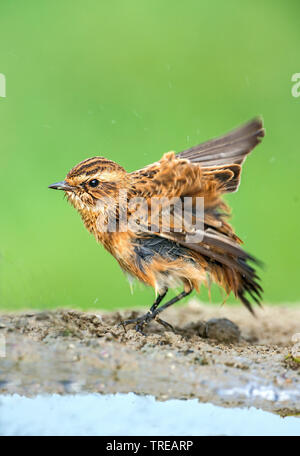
{"points": [[62, 186]]}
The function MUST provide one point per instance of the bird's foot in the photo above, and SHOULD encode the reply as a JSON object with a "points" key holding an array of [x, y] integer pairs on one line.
{"points": [[139, 322], [165, 324], [144, 320]]}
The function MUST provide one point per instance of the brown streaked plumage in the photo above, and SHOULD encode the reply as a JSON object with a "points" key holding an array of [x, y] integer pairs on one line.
{"points": [[166, 258]]}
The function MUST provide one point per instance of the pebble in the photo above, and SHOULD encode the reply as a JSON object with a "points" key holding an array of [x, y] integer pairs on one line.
{"points": [[222, 330]]}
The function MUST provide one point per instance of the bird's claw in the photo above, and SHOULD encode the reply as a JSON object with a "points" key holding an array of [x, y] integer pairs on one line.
{"points": [[165, 324], [139, 321], [144, 319]]}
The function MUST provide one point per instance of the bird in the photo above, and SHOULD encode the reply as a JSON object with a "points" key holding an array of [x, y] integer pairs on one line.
{"points": [[169, 252]]}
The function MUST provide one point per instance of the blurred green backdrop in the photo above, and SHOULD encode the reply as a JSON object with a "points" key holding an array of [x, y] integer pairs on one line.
{"points": [[131, 80]]}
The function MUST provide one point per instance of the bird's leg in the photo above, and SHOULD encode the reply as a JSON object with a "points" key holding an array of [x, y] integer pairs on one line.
{"points": [[140, 321], [154, 312], [177, 298], [158, 300]]}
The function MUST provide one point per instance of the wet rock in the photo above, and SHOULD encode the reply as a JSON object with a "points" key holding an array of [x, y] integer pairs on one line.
{"points": [[223, 330]]}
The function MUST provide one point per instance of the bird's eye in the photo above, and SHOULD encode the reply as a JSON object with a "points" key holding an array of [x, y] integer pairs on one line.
{"points": [[94, 183]]}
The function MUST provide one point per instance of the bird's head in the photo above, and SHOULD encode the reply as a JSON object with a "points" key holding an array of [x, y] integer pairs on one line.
{"points": [[91, 181]]}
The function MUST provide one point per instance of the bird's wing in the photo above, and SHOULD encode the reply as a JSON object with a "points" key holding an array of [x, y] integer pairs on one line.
{"points": [[220, 159], [230, 148], [208, 171], [173, 177], [227, 152]]}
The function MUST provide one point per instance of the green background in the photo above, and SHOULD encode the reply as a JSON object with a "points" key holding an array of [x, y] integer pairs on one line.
{"points": [[130, 80]]}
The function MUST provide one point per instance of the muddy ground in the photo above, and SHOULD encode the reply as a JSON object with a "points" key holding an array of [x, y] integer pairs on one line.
{"points": [[218, 354]]}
